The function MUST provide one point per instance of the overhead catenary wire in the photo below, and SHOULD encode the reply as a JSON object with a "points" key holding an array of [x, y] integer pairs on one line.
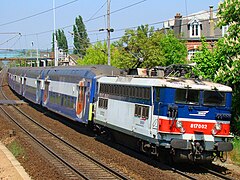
{"points": [[91, 19], [10, 39], [97, 11], [37, 14]]}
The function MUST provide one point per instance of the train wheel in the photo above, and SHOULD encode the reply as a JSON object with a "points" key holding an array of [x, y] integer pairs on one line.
{"points": [[223, 157]]}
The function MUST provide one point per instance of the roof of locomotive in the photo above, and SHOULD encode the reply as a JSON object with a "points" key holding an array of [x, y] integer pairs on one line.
{"points": [[171, 82]]}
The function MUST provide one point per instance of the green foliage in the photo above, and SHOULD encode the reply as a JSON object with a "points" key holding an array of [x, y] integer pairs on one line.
{"points": [[147, 48], [81, 40], [235, 153], [97, 54], [16, 149], [207, 64], [223, 64], [229, 72], [174, 50], [142, 47], [61, 41]]}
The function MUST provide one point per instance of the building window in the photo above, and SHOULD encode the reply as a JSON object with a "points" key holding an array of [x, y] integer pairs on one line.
{"points": [[224, 30], [194, 27], [191, 53]]}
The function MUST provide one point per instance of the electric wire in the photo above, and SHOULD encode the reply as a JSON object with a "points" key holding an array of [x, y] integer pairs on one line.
{"points": [[43, 32], [9, 39], [37, 14], [97, 10]]}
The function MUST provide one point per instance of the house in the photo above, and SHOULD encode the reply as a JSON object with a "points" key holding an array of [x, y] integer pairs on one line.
{"points": [[192, 27]]}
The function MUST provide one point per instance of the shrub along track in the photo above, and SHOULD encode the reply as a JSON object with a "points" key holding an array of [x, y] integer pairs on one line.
{"points": [[38, 166]]}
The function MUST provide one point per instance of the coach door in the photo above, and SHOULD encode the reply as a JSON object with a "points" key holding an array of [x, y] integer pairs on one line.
{"points": [[81, 100], [46, 92], [24, 86], [38, 92], [21, 85]]}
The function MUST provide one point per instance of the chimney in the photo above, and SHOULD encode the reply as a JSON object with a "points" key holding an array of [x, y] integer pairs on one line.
{"points": [[211, 22], [177, 24]]}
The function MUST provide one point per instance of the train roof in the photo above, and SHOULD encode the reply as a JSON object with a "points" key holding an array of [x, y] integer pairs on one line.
{"points": [[171, 82], [97, 70]]}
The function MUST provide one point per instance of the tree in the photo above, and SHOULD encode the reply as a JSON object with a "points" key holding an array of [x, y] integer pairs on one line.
{"points": [[207, 64], [229, 16], [61, 40], [81, 40], [97, 54], [229, 72], [174, 50], [147, 48], [223, 64]]}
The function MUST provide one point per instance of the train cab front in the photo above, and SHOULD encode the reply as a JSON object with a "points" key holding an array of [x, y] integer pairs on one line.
{"points": [[195, 125]]}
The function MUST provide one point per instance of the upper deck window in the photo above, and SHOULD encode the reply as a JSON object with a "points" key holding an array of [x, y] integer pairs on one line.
{"points": [[214, 98], [187, 96]]}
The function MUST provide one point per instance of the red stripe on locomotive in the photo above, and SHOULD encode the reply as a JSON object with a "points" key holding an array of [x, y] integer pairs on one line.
{"points": [[190, 127]]}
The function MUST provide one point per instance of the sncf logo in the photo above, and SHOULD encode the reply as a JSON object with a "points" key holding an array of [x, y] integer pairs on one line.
{"points": [[200, 113]]}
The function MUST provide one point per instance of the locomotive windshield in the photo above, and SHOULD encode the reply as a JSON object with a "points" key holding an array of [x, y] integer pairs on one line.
{"points": [[214, 98], [187, 96]]}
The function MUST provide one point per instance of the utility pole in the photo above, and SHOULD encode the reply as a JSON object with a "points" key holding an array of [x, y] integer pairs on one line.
{"points": [[55, 37], [108, 31]]}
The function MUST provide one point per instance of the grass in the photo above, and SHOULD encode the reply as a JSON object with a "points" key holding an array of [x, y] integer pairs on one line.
{"points": [[16, 149], [235, 153]]}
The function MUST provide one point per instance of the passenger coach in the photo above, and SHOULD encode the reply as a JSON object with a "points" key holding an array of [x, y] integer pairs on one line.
{"points": [[68, 91]]}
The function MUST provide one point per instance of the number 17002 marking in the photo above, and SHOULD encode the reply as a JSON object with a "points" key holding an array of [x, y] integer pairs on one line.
{"points": [[198, 126]]}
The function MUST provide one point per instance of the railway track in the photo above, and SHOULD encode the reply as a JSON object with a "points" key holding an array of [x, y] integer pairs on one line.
{"points": [[195, 171], [73, 162]]}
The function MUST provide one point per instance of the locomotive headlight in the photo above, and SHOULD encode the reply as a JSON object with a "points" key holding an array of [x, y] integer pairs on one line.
{"points": [[218, 126], [179, 124], [182, 130], [214, 131]]}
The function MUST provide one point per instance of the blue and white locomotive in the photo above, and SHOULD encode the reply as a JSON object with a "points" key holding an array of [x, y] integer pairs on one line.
{"points": [[187, 118]]}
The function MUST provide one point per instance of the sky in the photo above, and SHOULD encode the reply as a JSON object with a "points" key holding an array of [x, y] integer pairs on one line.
{"points": [[33, 19]]}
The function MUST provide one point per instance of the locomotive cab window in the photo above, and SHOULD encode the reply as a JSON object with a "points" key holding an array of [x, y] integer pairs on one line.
{"points": [[214, 98], [187, 96]]}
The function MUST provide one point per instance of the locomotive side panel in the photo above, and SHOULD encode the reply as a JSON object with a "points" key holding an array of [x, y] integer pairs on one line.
{"points": [[126, 106]]}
